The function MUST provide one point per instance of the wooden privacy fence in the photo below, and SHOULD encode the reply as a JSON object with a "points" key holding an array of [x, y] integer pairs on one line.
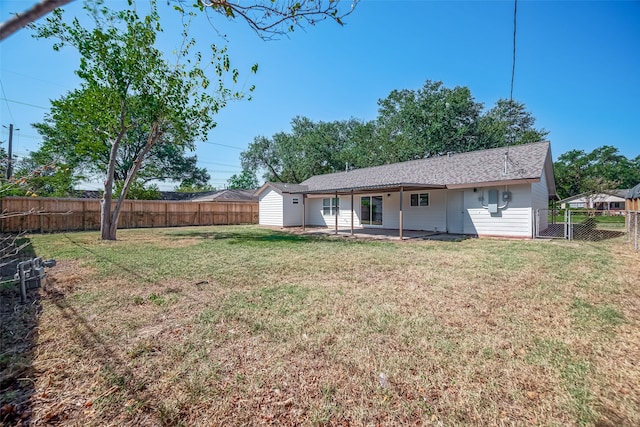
{"points": [[52, 214]]}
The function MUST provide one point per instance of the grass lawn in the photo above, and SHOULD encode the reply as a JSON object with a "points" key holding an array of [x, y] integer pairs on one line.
{"points": [[249, 326]]}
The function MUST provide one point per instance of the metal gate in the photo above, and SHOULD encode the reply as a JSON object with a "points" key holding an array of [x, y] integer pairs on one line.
{"points": [[572, 224]]}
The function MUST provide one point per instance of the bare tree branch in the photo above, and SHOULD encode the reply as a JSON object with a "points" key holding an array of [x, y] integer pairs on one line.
{"points": [[21, 20], [269, 18]]}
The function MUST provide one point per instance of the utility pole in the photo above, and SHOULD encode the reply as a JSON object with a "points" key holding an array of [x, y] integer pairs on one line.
{"points": [[9, 154]]}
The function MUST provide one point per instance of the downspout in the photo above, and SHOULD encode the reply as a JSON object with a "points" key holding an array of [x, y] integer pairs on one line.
{"points": [[351, 212], [336, 213]]}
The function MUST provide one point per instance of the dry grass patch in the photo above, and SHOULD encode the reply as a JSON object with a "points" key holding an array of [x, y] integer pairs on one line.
{"points": [[246, 326]]}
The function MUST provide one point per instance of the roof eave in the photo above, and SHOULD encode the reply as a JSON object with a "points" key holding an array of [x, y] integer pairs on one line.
{"points": [[372, 188], [266, 186], [493, 183]]}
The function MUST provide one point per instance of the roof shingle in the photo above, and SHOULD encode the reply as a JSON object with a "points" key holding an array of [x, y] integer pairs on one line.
{"points": [[521, 162]]}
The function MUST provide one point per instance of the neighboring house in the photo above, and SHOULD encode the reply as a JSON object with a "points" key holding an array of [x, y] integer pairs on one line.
{"points": [[164, 195], [485, 193], [610, 201], [228, 196]]}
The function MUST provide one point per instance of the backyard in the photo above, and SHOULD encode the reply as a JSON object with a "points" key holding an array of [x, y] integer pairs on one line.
{"points": [[242, 325]]}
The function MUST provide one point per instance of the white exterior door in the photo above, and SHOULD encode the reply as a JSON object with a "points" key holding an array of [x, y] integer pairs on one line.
{"points": [[455, 212]]}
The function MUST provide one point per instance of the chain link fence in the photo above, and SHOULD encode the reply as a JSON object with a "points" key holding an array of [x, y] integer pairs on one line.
{"points": [[586, 225]]}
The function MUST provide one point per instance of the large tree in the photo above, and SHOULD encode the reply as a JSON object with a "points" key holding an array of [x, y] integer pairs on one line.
{"points": [[604, 168], [83, 156], [508, 123], [310, 149], [132, 100], [431, 121], [411, 124]]}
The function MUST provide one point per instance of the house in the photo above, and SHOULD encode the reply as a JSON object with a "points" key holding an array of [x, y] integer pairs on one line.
{"points": [[610, 201], [493, 192]]}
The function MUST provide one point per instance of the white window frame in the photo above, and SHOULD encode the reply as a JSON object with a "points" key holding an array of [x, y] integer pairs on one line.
{"points": [[331, 205], [418, 197]]}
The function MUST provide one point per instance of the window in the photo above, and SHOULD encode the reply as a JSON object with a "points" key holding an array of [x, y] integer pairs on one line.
{"points": [[331, 206], [421, 199], [295, 200]]}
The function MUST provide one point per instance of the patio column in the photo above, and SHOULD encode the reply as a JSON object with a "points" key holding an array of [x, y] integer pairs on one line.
{"points": [[304, 213], [401, 191], [352, 212], [336, 213]]}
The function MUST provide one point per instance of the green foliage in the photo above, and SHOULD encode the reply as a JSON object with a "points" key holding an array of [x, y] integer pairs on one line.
{"points": [[187, 187], [46, 175], [431, 121], [601, 170], [310, 149], [139, 191], [135, 112], [247, 180]]}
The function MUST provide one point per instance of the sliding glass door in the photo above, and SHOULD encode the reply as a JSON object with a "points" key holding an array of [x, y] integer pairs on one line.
{"points": [[371, 210]]}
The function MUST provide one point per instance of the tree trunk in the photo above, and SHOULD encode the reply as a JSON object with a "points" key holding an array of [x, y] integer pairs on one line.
{"points": [[109, 224], [107, 229], [105, 217]]}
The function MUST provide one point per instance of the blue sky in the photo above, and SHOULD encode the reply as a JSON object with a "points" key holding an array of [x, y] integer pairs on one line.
{"points": [[577, 69]]}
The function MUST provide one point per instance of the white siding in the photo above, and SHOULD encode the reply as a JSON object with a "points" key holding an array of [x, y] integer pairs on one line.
{"points": [[315, 216], [270, 208], [432, 217], [514, 220], [540, 200], [291, 213]]}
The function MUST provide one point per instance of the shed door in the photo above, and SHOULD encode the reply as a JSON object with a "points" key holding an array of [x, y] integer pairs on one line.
{"points": [[455, 212]]}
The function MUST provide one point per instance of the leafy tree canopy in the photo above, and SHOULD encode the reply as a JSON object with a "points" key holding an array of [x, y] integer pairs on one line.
{"points": [[310, 149], [246, 180], [188, 187], [602, 169], [411, 124]]}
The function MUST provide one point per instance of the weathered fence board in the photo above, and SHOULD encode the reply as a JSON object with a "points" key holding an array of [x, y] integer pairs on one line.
{"points": [[54, 214]]}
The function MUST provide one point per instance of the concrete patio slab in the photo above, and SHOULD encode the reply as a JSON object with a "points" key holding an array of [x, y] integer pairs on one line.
{"points": [[384, 234]]}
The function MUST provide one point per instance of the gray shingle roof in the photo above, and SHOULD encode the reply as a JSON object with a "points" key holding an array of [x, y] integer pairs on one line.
{"points": [[634, 193], [617, 193], [228, 196], [523, 162], [283, 187]]}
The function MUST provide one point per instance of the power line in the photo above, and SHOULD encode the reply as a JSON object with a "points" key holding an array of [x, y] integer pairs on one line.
{"points": [[48, 82], [513, 63], [5, 100], [223, 145], [23, 103]]}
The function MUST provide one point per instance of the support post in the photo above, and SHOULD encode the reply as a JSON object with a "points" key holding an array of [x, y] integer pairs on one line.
{"points": [[336, 213], [9, 152], [401, 193], [352, 208]]}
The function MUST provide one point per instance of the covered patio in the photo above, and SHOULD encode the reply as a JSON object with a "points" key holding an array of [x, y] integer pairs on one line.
{"points": [[400, 188]]}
